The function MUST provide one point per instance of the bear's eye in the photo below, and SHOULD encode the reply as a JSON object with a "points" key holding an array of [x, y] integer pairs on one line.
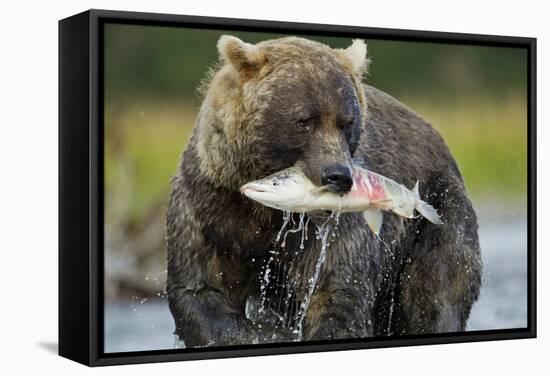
{"points": [[306, 123]]}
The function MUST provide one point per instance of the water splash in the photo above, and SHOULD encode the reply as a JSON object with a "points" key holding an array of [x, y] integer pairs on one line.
{"points": [[264, 285], [276, 280], [294, 230], [390, 314], [286, 218], [178, 343], [304, 233], [322, 234], [388, 249], [392, 293], [265, 278]]}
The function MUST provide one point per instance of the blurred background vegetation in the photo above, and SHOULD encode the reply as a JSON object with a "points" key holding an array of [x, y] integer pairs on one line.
{"points": [[475, 96]]}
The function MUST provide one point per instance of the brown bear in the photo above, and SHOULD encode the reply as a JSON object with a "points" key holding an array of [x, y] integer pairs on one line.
{"points": [[293, 101]]}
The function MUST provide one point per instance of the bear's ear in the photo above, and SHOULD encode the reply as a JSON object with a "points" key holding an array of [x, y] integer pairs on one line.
{"points": [[356, 56], [244, 57]]}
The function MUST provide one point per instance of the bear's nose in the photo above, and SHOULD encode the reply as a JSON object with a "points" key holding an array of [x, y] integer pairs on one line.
{"points": [[337, 178]]}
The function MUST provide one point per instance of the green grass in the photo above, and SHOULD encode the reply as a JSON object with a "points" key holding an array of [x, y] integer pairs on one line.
{"points": [[488, 138], [144, 144]]}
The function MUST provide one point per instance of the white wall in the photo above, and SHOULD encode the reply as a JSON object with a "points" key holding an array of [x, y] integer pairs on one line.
{"points": [[28, 184]]}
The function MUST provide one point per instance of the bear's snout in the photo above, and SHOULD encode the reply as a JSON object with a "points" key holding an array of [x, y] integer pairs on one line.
{"points": [[337, 178]]}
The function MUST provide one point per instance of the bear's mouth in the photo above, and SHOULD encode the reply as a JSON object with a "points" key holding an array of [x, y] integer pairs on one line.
{"points": [[339, 190]]}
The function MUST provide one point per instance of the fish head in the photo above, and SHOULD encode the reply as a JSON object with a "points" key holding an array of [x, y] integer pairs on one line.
{"points": [[284, 190]]}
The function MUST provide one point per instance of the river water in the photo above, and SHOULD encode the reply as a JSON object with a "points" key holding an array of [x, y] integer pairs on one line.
{"points": [[146, 323]]}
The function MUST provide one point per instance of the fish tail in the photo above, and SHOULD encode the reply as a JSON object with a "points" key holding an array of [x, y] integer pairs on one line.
{"points": [[428, 212], [425, 209]]}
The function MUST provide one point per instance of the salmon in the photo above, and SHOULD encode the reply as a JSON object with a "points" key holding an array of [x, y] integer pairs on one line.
{"points": [[371, 194]]}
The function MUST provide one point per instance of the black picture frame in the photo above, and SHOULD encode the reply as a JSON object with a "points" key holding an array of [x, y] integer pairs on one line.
{"points": [[81, 186]]}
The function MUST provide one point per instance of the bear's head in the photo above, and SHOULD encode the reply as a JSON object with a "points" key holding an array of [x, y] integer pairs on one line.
{"points": [[282, 102]]}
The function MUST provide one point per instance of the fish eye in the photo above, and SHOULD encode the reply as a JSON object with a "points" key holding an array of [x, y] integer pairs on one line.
{"points": [[275, 182]]}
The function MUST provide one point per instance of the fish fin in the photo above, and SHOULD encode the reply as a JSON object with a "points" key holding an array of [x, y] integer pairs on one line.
{"points": [[415, 190], [428, 212], [374, 219]]}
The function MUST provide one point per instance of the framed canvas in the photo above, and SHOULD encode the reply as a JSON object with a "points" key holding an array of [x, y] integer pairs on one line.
{"points": [[237, 187]]}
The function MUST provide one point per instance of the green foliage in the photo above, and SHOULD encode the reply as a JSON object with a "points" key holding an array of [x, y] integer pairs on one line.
{"points": [[168, 62], [488, 138], [144, 142]]}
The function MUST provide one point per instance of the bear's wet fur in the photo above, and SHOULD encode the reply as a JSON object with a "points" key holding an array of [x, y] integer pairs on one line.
{"points": [[294, 101]]}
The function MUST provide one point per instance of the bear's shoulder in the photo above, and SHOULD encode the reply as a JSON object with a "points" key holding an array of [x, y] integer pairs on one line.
{"points": [[381, 104]]}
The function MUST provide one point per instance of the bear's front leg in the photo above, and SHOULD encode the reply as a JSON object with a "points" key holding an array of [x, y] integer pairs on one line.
{"points": [[206, 318], [203, 311], [202, 318], [337, 314]]}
